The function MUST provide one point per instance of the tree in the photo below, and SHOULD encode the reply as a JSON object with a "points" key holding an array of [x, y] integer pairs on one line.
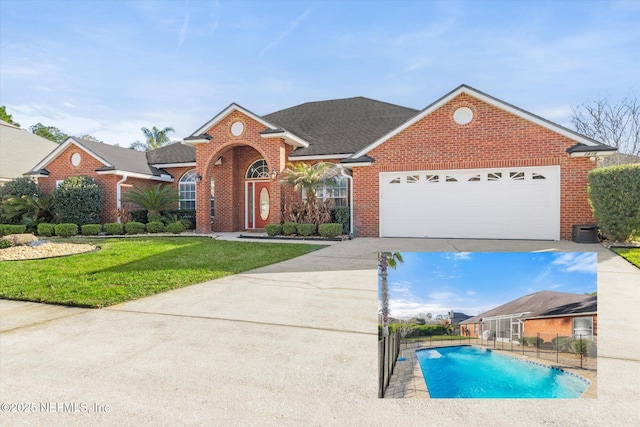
{"points": [[90, 138], [617, 125], [152, 199], [51, 133], [6, 117], [386, 260], [309, 179], [155, 138], [78, 200]]}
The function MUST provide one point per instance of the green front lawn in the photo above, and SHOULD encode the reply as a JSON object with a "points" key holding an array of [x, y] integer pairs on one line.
{"points": [[126, 269], [630, 254]]}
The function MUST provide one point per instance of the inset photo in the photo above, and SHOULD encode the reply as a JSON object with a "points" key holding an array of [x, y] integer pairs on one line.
{"points": [[487, 325]]}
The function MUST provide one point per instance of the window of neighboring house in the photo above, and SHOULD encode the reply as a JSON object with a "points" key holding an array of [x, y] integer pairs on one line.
{"points": [[583, 326], [187, 191], [213, 210], [339, 192]]}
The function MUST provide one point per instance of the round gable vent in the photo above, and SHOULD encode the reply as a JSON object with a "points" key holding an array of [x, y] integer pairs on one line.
{"points": [[75, 159], [463, 115], [237, 128]]}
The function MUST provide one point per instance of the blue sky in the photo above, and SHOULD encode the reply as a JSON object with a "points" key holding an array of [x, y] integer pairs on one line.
{"points": [[108, 68], [474, 282]]}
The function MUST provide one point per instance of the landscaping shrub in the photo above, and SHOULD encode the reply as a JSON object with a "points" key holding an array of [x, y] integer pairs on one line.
{"points": [[306, 229], [175, 228], [563, 344], [66, 230], [273, 229], [289, 228], [91, 229], [12, 229], [16, 188], [139, 215], [78, 200], [614, 197], [134, 227], [155, 227], [5, 244], [184, 214], [531, 341], [422, 330], [114, 228], [46, 229], [330, 230], [341, 215]]}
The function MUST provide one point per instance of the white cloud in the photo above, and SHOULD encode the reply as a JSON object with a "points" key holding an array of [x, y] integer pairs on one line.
{"points": [[579, 262]]}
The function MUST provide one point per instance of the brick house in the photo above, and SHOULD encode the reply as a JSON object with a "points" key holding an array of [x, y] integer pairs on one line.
{"points": [[468, 165], [546, 313], [116, 169]]}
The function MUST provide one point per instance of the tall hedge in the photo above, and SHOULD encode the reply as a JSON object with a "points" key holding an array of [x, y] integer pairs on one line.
{"points": [[78, 200], [614, 195]]}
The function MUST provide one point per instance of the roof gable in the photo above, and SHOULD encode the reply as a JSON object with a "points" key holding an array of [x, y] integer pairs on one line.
{"points": [[117, 160], [20, 150], [340, 126], [224, 113], [578, 138]]}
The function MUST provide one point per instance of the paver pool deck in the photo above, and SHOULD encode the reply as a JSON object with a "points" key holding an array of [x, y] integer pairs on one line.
{"points": [[293, 343]]}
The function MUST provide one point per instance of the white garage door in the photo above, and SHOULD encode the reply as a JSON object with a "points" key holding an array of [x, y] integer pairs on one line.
{"points": [[513, 203]]}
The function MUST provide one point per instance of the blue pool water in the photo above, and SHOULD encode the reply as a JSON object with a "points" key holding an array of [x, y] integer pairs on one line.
{"points": [[470, 372]]}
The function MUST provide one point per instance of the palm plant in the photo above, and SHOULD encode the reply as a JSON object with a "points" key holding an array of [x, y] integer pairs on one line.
{"points": [[386, 260], [152, 199], [27, 207], [309, 179], [155, 138]]}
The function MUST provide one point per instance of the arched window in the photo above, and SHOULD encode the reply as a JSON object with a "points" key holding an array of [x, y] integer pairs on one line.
{"points": [[187, 191], [258, 170]]}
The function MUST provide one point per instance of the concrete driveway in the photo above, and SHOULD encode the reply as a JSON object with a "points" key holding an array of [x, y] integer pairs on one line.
{"points": [[289, 344]]}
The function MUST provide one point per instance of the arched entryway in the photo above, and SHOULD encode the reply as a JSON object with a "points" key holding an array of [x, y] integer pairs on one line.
{"points": [[257, 195]]}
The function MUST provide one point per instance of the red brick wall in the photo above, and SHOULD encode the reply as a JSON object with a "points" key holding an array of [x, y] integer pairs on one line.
{"points": [[548, 328], [61, 168], [238, 152], [493, 139]]}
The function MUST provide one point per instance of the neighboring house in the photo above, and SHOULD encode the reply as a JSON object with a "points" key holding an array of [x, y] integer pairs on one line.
{"points": [[468, 165], [455, 318], [118, 169], [618, 159], [545, 312], [20, 150]]}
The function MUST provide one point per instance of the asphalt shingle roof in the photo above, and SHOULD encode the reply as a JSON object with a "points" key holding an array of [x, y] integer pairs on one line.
{"points": [[173, 153], [20, 150], [543, 303], [340, 126], [125, 159]]}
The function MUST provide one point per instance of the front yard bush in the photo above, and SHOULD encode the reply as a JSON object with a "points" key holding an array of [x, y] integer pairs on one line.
{"points": [[273, 229], [134, 227], [91, 229], [289, 228], [113, 228], [45, 229], [175, 228], [78, 200], [341, 215], [17, 188], [330, 230], [155, 227], [66, 230], [12, 229], [563, 344], [306, 229], [614, 195], [5, 244]]}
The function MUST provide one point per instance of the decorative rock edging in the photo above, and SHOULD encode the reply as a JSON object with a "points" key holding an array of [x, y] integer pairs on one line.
{"points": [[44, 251]]}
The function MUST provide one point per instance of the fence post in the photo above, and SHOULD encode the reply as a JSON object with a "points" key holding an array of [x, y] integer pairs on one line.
{"points": [[581, 351], [557, 339], [538, 345]]}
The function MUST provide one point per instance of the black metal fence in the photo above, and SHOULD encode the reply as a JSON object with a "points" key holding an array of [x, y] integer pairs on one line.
{"points": [[388, 349], [575, 351]]}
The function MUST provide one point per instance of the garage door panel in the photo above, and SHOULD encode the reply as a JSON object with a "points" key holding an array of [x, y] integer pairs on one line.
{"points": [[480, 203]]}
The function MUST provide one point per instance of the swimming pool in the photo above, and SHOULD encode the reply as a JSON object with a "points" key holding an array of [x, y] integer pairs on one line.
{"points": [[470, 372]]}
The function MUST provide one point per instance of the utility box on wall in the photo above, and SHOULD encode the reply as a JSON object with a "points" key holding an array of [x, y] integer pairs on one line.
{"points": [[585, 233]]}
